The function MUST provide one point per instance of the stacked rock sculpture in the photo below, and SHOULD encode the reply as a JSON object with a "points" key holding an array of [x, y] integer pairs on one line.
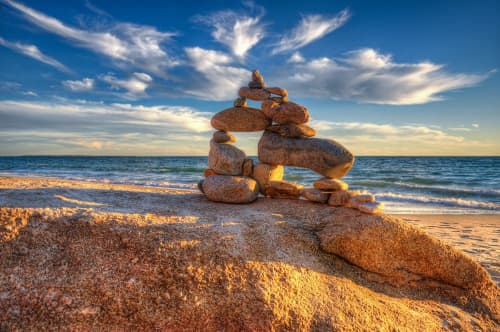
{"points": [[287, 141]]}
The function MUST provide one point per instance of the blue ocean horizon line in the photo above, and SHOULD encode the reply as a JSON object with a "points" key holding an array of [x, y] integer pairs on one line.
{"points": [[406, 184]]}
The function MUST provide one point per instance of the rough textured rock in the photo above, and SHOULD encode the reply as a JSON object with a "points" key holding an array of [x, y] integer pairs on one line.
{"points": [[254, 94], [292, 130], [283, 189], [223, 137], [339, 198], [263, 173], [400, 252], [247, 167], [277, 91], [268, 107], [209, 172], [225, 158], [240, 102], [240, 119], [330, 184], [160, 259], [323, 156], [357, 199], [315, 195], [257, 77], [255, 85], [372, 207], [230, 189], [287, 112], [280, 100]]}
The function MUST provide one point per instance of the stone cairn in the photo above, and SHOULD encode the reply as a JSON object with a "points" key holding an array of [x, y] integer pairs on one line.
{"points": [[287, 141]]}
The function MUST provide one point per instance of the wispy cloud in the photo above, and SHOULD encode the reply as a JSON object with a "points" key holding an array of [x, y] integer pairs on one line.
{"points": [[136, 45], [131, 129], [236, 31], [309, 29], [135, 85], [221, 80], [33, 52], [370, 138], [296, 58], [86, 84], [368, 76]]}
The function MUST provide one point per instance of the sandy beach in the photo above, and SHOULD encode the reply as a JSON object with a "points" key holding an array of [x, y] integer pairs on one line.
{"points": [[99, 255]]}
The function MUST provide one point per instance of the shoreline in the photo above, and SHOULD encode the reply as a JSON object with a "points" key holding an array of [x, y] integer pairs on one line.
{"points": [[194, 189]]}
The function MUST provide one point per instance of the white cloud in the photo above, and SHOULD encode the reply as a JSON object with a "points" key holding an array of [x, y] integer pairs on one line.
{"points": [[367, 138], [368, 76], [236, 31], [475, 125], [79, 117], [221, 80], [33, 52], [135, 85], [296, 58], [30, 93], [311, 28], [86, 84], [136, 45]]}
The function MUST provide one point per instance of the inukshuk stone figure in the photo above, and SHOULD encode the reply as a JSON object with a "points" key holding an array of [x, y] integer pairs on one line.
{"points": [[287, 141]]}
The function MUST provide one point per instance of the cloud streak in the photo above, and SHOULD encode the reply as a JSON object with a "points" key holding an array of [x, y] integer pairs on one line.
{"points": [[368, 76], [135, 85], [33, 52], [136, 45], [237, 32], [86, 84], [220, 80], [309, 29]]}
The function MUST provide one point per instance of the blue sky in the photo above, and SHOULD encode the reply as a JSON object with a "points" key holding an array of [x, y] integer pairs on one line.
{"points": [[143, 78]]}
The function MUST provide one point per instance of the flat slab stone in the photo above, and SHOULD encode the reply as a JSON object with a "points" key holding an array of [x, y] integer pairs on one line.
{"points": [[254, 94], [230, 189], [324, 156], [225, 158], [330, 184], [240, 119], [315, 195], [286, 112], [283, 189]]}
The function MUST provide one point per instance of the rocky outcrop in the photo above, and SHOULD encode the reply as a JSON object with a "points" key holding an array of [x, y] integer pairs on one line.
{"points": [[399, 252], [161, 259], [230, 189], [323, 156]]}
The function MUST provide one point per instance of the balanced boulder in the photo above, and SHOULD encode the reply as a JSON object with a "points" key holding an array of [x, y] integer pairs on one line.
{"points": [[330, 184], [254, 94], [293, 130], [225, 158], [240, 119], [283, 189], [264, 173], [286, 112], [230, 189], [223, 137], [315, 195], [323, 156]]}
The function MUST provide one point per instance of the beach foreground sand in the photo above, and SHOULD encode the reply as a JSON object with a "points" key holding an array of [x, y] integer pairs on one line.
{"points": [[87, 255]]}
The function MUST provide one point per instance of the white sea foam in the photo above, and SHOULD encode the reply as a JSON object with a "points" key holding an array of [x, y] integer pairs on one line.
{"points": [[449, 201]]}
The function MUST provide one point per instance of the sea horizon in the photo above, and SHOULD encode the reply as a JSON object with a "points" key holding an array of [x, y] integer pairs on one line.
{"points": [[405, 184]]}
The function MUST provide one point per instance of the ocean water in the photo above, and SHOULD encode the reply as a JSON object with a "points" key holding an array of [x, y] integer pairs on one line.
{"points": [[454, 185]]}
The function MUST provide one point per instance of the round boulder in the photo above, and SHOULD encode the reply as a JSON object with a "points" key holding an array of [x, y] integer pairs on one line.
{"points": [[230, 189]]}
